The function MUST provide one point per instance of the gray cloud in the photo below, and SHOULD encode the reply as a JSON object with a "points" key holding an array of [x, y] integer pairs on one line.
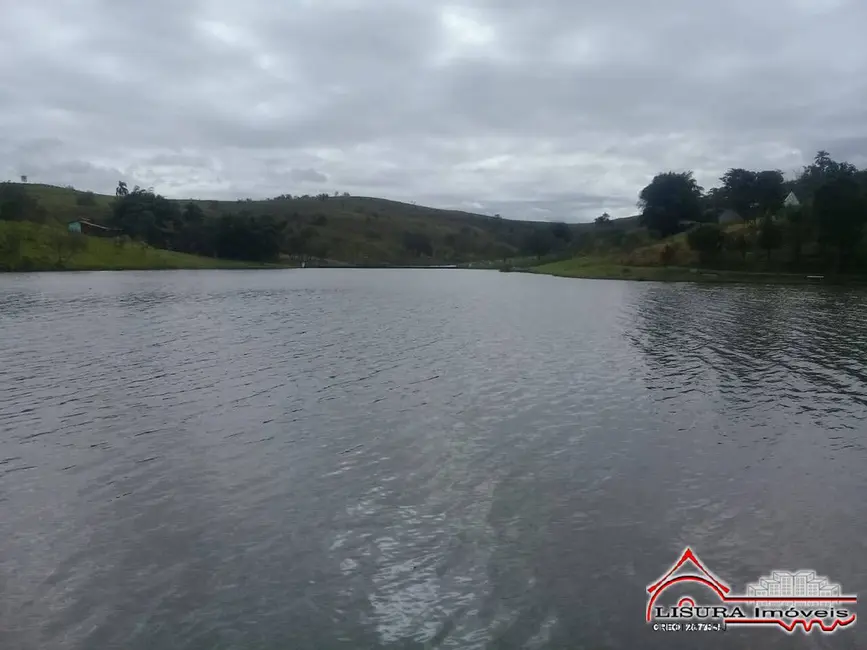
{"points": [[552, 109], [309, 175]]}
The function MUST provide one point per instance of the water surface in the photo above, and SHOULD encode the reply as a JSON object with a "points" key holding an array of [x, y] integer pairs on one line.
{"points": [[414, 459]]}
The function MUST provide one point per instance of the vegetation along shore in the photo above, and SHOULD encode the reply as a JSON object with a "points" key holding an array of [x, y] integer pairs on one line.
{"points": [[756, 226]]}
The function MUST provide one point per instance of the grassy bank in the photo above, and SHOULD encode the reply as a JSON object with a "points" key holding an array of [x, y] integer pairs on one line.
{"points": [[34, 247], [607, 269]]}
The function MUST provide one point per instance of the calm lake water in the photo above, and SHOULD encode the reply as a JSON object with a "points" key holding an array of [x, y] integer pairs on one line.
{"points": [[415, 459]]}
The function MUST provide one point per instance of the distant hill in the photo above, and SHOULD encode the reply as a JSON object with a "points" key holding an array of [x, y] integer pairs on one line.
{"points": [[352, 229]]}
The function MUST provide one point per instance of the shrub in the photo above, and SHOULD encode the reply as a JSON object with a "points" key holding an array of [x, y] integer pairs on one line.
{"points": [[667, 254], [706, 239]]}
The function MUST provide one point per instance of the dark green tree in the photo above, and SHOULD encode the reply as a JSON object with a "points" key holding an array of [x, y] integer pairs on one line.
{"points": [[193, 214], [770, 235], [17, 204], [538, 243], [10, 248], [797, 229], [418, 244], [713, 202], [616, 237], [770, 191], [66, 245], [739, 192], [822, 170], [669, 200], [738, 242], [85, 199], [841, 212], [561, 231], [706, 239], [148, 216], [667, 254]]}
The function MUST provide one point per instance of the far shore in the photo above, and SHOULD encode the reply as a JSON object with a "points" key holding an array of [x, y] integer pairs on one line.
{"points": [[589, 269]]}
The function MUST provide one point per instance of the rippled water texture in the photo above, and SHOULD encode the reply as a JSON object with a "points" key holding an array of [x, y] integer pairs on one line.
{"points": [[463, 459]]}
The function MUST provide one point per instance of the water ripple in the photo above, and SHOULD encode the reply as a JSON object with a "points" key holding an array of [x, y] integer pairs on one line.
{"points": [[413, 459]]}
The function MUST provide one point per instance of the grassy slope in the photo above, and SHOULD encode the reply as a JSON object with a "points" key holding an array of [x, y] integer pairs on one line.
{"points": [[644, 263], [356, 230], [38, 253], [610, 269]]}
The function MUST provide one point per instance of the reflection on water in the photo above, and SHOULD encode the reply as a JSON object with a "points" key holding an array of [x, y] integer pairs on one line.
{"points": [[415, 459]]}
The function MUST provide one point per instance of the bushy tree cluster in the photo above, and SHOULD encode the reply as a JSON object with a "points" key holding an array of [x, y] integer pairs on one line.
{"points": [[141, 214], [829, 216]]}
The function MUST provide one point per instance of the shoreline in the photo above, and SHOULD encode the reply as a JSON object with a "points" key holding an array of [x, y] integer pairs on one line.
{"points": [[577, 268], [596, 271], [96, 269], [217, 265]]}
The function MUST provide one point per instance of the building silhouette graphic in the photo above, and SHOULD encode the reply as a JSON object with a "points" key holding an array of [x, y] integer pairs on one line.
{"points": [[801, 584]]}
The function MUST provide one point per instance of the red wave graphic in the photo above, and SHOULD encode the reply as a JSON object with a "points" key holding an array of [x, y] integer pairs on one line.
{"points": [[807, 624]]}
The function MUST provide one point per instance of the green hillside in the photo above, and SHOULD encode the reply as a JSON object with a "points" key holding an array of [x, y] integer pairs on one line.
{"points": [[341, 229], [26, 246]]}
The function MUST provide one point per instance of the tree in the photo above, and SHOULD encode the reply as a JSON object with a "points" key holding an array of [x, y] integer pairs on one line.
{"points": [[561, 231], [121, 189], [603, 219], [632, 240], [538, 243], [797, 229], [739, 243], [841, 211], [418, 243], [670, 199], [16, 204], [822, 170], [23, 178], [10, 248], [739, 191], [243, 237], [770, 192], [66, 245], [616, 237], [667, 254], [706, 239], [193, 213], [713, 202], [85, 199], [751, 194], [770, 236], [319, 250], [151, 217]]}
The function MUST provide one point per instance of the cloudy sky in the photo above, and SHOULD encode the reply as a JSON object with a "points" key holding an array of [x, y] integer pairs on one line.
{"points": [[542, 109]]}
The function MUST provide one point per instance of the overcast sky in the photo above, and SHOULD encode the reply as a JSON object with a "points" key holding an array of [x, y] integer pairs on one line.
{"points": [[540, 109]]}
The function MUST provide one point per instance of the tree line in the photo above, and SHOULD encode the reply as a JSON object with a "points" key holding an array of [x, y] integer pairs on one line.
{"points": [[251, 234], [143, 215], [823, 227]]}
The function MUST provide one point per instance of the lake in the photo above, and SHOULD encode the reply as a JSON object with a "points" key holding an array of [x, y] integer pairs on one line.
{"points": [[329, 458]]}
